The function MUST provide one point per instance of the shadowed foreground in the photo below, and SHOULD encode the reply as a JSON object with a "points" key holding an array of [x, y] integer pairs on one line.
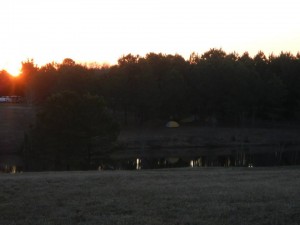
{"points": [[178, 196]]}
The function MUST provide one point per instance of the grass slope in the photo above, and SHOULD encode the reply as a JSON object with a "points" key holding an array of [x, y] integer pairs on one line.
{"points": [[14, 122], [178, 196]]}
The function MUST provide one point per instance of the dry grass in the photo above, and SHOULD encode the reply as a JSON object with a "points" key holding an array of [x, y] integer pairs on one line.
{"points": [[207, 196]]}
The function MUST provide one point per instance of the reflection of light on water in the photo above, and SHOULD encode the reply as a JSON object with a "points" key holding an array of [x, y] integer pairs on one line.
{"points": [[14, 169], [192, 163], [196, 162], [138, 164], [9, 169], [228, 161]]}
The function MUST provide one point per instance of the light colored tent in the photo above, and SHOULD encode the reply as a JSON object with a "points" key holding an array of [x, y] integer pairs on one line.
{"points": [[172, 124]]}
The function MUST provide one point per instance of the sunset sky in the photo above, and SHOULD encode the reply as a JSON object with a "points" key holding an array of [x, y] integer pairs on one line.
{"points": [[104, 30]]}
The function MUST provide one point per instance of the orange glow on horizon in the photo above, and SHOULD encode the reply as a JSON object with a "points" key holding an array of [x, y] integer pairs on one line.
{"points": [[13, 71], [96, 31], [13, 68]]}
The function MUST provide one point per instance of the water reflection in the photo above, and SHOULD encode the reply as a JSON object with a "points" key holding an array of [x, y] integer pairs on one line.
{"points": [[138, 164], [9, 169], [256, 157], [196, 163], [232, 159]]}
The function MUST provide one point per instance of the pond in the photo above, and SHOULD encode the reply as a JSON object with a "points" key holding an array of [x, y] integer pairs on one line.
{"points": [[235, 158]]}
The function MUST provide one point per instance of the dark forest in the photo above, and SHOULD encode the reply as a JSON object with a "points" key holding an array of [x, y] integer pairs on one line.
{"points": [[228, 87], [80, 108]]}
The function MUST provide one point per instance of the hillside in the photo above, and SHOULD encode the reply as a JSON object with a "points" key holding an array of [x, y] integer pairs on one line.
{"points": [[196, 136], [15, 120]]}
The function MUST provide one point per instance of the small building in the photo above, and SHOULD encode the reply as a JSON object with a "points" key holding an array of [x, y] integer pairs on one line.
{"points": [[11, 99]]}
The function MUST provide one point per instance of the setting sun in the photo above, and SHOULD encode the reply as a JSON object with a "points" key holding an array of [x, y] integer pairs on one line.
{"points": [[201, 96], [13, 70]]}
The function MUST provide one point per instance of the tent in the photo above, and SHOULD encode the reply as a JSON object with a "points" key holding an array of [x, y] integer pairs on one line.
{"points": [[172, 124]]}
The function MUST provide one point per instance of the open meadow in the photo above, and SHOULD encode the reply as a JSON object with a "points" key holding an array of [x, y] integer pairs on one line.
{"points": [[233, 196]]}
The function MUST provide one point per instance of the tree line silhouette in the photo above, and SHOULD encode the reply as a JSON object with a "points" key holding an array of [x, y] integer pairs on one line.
{"points": [[228, 87]]}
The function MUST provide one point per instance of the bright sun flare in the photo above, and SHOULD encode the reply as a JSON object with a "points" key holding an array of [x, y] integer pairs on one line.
{"points": [[13, 70], [103, 31]]}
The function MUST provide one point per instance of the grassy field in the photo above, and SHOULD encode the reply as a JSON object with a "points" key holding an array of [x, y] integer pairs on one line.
{"points": [[233, 196]]}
